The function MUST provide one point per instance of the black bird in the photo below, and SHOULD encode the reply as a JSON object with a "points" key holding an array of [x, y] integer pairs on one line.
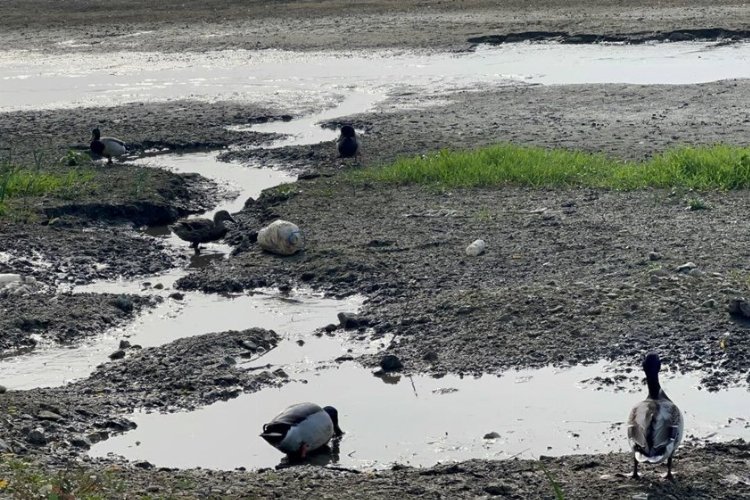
{"points": [[347, 143]]}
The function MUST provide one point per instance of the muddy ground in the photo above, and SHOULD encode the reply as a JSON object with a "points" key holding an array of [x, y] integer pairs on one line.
{"points": [[570, 275], [176, 25]]}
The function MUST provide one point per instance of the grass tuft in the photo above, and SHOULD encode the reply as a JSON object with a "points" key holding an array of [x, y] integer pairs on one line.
{"points": [[701, 168]]}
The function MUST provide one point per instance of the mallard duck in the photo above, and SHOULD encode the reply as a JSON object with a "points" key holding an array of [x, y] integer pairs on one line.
{"points": [[302, 428], [198, 231], [655, 424], [347, 143], [106, 146]]}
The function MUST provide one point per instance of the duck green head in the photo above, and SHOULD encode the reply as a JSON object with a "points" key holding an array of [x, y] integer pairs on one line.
{"points": [[334, 414], [652, 364], [347, 131], [96, 134]]}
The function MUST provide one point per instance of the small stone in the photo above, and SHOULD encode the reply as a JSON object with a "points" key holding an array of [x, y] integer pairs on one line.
{"points": [[159, 286], [739, 306], [144, 465], [491, 435], [249, 345], [124, 304], [654, 256], [345, 357], [307, 276], [430, 356], [118, 354], [80, 442], [280, 373], [37, 436], [3, 389], [391, 363], [497, 489], [300, 342], [177, 296], [4, 447], [330, 328], [124, 344], [48, 415], [686, 267], [349, 320]]}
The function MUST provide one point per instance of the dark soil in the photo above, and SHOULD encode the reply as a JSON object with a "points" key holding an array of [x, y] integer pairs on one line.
{"points": [[179, 25], [569, 276]]}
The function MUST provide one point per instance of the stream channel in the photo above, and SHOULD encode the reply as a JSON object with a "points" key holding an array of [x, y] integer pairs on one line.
{"points": [[417, 420]]}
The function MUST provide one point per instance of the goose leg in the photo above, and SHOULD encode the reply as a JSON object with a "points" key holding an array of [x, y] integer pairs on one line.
{"points": [[669, 470], [635, 469], [195, 247], [109, 160], [303, 450]]}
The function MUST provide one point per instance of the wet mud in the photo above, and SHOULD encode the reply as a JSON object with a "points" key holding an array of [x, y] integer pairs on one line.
{"points": [[570, 276]]}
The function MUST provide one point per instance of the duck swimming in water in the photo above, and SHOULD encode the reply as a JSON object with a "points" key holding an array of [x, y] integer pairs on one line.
{"points": [[347, 143], [106, 146], [302, 428], [198, 231], [655, 425]]}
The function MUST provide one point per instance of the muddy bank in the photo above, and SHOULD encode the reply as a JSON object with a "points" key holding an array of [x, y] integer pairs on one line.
{"points": [[195, 25], [27, 319], [712, 471], [184, 374], [570, 276], [174, 125]]}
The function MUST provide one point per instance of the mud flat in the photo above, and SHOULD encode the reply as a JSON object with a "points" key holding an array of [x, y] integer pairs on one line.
{"points": [[571, 277]]}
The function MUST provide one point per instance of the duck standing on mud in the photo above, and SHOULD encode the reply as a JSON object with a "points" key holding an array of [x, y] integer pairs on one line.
{"points": [[198, 231], [347, 143], [106, 147], [655, 425], [301, 429]]}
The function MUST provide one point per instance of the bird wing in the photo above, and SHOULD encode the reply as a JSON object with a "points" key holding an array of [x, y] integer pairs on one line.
{"points": [[638, 423], [296, 414], [112, 139]]}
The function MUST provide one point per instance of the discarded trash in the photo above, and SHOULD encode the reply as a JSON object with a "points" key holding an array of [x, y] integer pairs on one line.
{"points": [[476, 248], [281, 237]]}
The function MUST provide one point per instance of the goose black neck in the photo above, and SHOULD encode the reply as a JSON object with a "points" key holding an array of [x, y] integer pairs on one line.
{"points": [[652, 379]]}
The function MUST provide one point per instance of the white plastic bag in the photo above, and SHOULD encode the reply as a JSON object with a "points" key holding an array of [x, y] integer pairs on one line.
{"points": [[281, 237]]}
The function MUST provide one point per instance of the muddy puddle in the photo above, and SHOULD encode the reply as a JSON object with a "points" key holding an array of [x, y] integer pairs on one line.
{"points": [[422, 421], [294, 316], [238, 182], [320, 79]]}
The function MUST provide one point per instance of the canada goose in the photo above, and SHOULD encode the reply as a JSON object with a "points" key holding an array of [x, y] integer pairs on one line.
{"points": [[106, 146], [655, 426], [302, 428], [347, 143], [198, 231]]}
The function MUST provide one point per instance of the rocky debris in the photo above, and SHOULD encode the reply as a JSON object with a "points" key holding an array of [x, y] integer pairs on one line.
{"points": [[739, 306], [350, 321], [3, 389], [491, 435], [124, 344], [686, 267], [391, 363], [37, 436], [123, 303], [48, 415], [80, 441], [118, 354], [177, 296]]}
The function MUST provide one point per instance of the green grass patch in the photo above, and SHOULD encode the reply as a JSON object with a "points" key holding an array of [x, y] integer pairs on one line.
{"points": [[22, 182], [700, 168]]}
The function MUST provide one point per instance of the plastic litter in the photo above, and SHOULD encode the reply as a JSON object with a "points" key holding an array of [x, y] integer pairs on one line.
{"points": [[281, 237], [476, 248]]}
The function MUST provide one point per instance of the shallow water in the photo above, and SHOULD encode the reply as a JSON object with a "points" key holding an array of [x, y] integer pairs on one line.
{"points": [[422, 420], [319, 79], [294, 316]]}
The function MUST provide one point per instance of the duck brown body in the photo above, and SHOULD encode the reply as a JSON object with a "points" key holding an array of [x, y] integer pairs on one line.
{"points": [[198, 231]]}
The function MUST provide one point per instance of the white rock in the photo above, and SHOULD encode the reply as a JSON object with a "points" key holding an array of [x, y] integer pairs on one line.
{"points": [[476, 248]]}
